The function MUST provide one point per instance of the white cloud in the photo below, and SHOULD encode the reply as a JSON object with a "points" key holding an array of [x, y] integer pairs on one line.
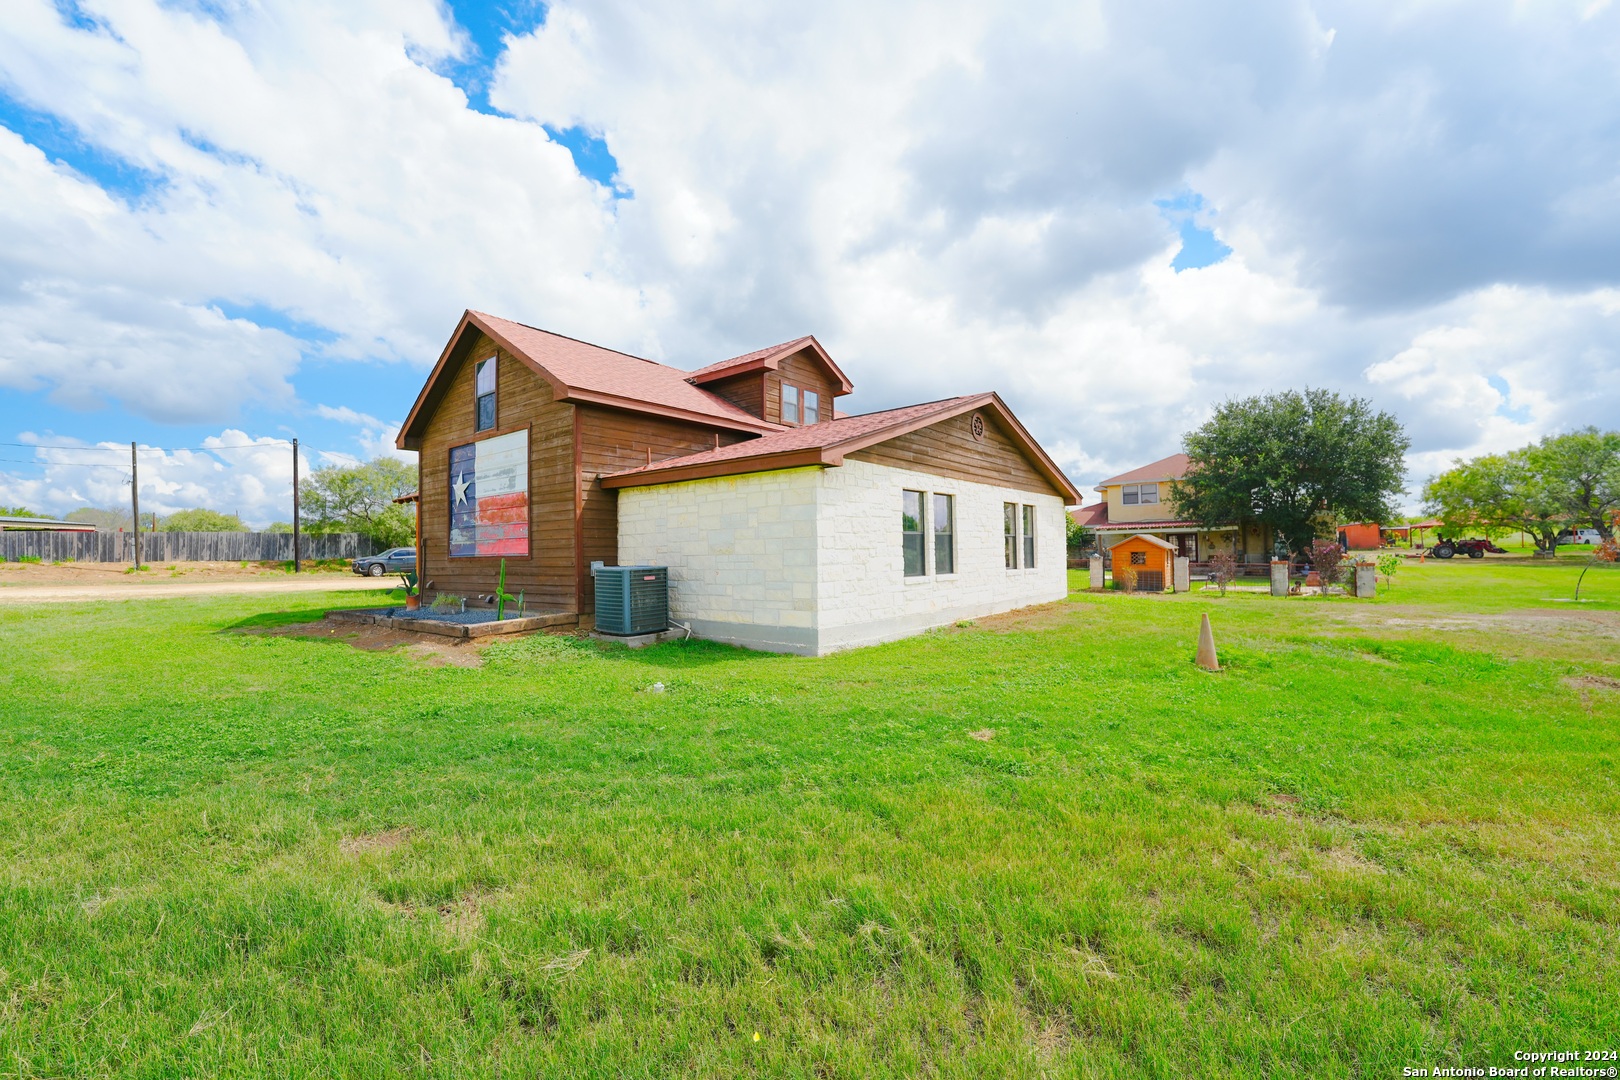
{"points": [[951, 197]]}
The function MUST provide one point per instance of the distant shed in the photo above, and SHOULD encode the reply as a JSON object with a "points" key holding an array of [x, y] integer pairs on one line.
{"points": [[33, 524], [1143, 563]]}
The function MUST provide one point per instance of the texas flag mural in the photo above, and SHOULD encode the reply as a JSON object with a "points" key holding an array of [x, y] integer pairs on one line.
{"points": [[489, 496]]}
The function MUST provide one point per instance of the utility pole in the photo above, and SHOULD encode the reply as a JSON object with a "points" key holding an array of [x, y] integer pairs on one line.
{"points": [[135, 503], [298, 564]]}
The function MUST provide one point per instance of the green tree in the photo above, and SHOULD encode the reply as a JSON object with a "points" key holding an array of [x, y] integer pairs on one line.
{"points": [[200, 520], [18, 511], [1080, 538], [1499, 493], [360, 498], [1295, 462], [103, 520], [1582, 471], [278, 527]]}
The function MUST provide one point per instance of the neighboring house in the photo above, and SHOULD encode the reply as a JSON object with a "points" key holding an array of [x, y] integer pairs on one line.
{"points": [[785, 524], [1139, 502]]}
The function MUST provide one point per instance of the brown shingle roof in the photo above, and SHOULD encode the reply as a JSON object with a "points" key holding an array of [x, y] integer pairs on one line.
{"points": [[591, 368], [825, 444], [1088, 516], [787, 347], [582, 372], [772, 358], [1173, 467]]}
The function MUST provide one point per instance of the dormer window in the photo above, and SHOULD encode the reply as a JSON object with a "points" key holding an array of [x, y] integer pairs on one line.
{"points": [[790, 404], [812, 406], [484, 389]]}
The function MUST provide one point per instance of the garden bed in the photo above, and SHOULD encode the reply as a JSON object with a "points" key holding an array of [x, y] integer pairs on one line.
{"points": [[478, 622]]}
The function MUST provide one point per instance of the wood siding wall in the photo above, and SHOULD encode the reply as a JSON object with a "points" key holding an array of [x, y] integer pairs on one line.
{"points": [[805, 373], [611, 441], [522, 400], [747, 392], [948, 448]]}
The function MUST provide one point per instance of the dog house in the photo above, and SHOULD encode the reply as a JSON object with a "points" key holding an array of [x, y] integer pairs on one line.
{"points": [[1143, 563]]}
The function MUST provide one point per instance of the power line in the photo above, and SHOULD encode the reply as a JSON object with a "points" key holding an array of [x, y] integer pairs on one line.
{"points": [[151, 449], [66, 464]]}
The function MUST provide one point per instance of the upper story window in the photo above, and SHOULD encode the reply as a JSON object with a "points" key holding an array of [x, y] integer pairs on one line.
{"points": [[485, 391], [911, 532], [790, 404], [1139, 494], [812, 406]]}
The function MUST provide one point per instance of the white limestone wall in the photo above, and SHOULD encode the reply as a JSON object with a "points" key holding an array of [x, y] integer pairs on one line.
{"points": [[741, 552], [810, 561], [863, 595]]}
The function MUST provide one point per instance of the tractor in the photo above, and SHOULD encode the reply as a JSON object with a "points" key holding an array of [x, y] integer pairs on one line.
{"points": [[1474, 549]]}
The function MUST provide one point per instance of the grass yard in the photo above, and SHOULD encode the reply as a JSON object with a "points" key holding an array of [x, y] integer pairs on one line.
{"points": [[1044, 845]]}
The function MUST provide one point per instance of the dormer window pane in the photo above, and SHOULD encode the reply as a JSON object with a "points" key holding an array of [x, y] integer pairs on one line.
{"points": [[484, 389], [790, 404], [1127, 495], [812, 407]]}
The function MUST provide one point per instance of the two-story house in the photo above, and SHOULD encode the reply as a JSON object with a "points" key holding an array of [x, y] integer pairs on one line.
{"points": [[1139, 502]]}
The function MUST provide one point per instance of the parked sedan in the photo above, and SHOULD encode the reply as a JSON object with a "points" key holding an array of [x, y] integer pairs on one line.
{"points": [[396, 561]]}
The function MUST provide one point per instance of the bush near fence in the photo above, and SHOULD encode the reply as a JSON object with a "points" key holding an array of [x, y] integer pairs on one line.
{"points": [[112, 547]]}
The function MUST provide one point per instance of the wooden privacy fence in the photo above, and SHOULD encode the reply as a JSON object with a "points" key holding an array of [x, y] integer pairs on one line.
{"points": [[179, 546]]}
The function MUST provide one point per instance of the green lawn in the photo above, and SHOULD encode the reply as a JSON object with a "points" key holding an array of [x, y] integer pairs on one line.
{"points": [[1385, 836]]}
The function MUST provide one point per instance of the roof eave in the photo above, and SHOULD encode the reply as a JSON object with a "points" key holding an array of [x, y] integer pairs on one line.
{"points": [[708, 470]]}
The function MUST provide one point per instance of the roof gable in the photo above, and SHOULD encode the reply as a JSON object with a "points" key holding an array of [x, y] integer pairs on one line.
{"points": [[581, 372], [1154, 540], [771, 359]]}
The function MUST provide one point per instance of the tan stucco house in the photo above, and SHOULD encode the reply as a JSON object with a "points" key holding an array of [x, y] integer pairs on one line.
{"points": [[1139, 502]]}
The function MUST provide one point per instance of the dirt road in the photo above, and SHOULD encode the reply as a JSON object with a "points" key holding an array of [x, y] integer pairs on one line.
{"points": [[25, 583]]}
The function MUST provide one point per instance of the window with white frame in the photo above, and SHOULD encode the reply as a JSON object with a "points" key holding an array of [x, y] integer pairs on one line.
{"points": [[912, 537], [944, 533], [1009, 533], [790, 404], [1029, 537], [1139, 494], [812, 406]]}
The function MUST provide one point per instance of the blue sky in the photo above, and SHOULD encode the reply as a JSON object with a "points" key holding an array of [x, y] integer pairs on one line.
{"points": [[1414, 206]]}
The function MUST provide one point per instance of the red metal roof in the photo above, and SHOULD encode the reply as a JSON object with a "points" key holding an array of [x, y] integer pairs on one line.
{"points": [[1128, 526], [1173, 467]]}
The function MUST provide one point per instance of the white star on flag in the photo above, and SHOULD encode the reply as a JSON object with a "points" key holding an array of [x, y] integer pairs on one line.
{"points": [[461, 487]]}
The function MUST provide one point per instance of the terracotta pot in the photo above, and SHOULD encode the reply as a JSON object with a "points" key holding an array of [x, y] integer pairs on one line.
{"points": [[413, 603], [1313, 579]]}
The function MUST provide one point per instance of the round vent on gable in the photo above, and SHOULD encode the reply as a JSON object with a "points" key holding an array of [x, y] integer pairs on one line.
{"points": [[976, 425]]}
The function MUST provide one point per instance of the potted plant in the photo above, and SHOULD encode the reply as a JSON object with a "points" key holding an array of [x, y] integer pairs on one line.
{"points": [[411, 589]]}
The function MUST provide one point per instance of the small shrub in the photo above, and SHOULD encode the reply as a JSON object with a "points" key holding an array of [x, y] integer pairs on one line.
{"points": [[30, 559], [1388, 564], [1223, 569], [1327, 558], [448, 602], [1125, 578]]}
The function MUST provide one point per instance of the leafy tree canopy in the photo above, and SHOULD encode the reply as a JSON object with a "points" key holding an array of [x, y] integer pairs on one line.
{"points": [[1570, 480], [360, 498], [200, 520], [104, 520], [18, 511], [1296, 462]]}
